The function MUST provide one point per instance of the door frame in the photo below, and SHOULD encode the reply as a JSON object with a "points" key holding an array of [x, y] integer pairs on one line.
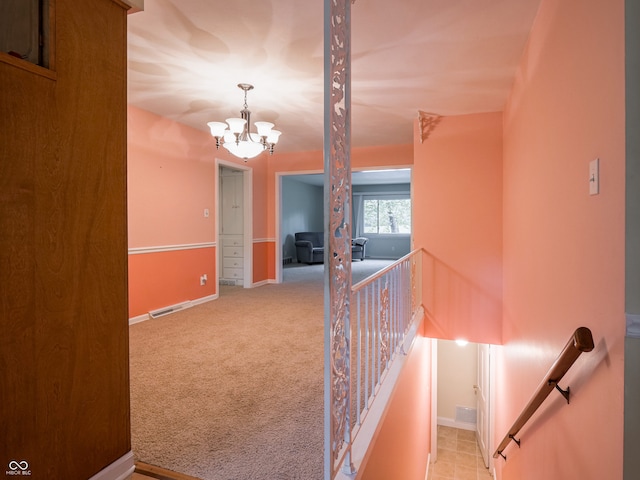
{"points": [[247, 227], [479, 387], [490, 401], [278, 216]]}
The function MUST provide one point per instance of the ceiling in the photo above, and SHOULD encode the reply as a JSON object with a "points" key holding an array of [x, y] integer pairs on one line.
{"points": [[447, 57]]}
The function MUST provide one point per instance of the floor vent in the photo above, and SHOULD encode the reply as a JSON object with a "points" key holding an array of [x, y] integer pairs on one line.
{"points": [[170, 309], [287, 260], [466, 415]]}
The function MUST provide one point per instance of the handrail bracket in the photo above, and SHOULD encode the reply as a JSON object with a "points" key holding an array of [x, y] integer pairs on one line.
{"points": [[513, 437], [565, 393]]}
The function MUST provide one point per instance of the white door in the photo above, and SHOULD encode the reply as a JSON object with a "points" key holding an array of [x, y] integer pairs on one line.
{"points": [[482, 401]]}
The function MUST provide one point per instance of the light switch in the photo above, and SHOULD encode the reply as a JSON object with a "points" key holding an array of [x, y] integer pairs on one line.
{"points": [[594, 177], [206, 213]]}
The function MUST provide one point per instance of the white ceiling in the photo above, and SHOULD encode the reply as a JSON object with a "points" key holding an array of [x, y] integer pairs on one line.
{"points": [[447, 57]]}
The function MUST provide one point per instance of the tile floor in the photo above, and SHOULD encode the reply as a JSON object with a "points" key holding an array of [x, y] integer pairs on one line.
{"points": [[458, 456]]}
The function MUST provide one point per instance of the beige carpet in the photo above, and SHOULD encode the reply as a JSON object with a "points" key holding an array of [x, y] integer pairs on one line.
{"points": [[233, 389]]}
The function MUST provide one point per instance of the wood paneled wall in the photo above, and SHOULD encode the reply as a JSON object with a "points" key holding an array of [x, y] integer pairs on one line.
{"points": [[64, 381]]}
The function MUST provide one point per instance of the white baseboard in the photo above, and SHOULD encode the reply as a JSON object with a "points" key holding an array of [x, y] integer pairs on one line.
{"points": [[206, 299], [138, 319], [259, 284], [197, 301], [450, 422], [121, 469]]}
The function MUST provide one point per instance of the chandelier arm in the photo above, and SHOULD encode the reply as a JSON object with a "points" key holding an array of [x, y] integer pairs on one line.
{"points": [[244, 138]]}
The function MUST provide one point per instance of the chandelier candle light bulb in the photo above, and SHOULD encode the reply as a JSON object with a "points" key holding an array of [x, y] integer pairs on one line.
{"points": [[235, 135]]}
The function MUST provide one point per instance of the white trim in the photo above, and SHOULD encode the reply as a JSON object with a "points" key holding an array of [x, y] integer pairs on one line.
{"points": [[247, 227], [170, 248], [434, 398], [450, 422], [144, 317], [139, 318], [278, 215], [260, 283], [633, 325], [263, 240], [121, 469], [206, 299]]}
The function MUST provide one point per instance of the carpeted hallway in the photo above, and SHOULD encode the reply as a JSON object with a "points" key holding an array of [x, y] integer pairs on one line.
{"points": [[233, 389]]}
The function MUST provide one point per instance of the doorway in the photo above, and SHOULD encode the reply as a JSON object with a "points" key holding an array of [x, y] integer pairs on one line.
{"points": [[234, 220], [463, 376]]}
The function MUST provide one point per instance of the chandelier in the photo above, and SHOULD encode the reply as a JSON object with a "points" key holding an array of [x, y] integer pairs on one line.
{"points": [[235, 135]]}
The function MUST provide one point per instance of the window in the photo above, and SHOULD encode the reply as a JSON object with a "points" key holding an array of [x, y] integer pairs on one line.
{"points": [[387, 216], [24, 30]]}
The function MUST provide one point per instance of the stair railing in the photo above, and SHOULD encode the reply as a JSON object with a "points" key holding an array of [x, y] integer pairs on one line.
{"points": [[581, 341], [384, 314]]}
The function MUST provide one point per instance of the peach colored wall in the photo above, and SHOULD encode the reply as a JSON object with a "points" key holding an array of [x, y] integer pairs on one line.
{"points": [[403, 441], [170, 169], [259, 165], [171, 176], [149, 288], [171, 180], [261, 269], [457, 203], [564, 249]]}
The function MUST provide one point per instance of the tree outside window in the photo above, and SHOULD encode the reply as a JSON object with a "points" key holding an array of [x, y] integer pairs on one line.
{"points": [[387, 216]]}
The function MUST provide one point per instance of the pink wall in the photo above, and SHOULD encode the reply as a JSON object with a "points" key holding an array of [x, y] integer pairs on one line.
{"points": [[564, 249], [457, 201], [160, 279], [171, 181], [170, 170], [264, 261], [403, 440]]}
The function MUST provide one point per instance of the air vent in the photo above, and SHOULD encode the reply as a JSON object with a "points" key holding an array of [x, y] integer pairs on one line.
{"points": [[170, 309], [466, 415]]}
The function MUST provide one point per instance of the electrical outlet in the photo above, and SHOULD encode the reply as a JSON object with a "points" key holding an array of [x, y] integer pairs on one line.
{"points": [[203, 280]]}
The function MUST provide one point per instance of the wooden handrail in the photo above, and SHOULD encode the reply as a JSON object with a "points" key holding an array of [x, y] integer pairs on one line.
{"points": [[581, 341]]}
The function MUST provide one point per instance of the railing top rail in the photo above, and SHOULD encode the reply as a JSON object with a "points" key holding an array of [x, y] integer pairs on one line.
{"points": [[581, 341], [382, 272]]}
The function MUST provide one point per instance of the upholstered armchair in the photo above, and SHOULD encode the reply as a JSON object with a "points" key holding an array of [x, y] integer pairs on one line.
{"points": [[358, 248], [310, 247]]}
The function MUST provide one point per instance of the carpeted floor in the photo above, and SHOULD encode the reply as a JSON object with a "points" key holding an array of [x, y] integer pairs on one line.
{"points": [[233, 389]]}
